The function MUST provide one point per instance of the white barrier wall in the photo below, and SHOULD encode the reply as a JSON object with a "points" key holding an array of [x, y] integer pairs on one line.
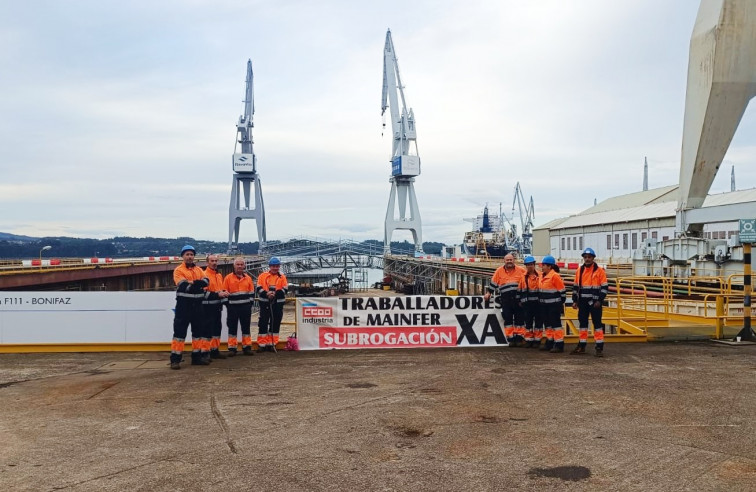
{"points": [[323, 323], [398, 322], [86, 317]]}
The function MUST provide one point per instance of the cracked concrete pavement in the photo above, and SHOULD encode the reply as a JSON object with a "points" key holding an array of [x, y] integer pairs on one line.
{"points": [[672, 416]]}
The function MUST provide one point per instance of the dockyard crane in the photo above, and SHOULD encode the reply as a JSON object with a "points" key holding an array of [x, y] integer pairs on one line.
{"points": [[244, 165], [527, 214], [405, 160]]}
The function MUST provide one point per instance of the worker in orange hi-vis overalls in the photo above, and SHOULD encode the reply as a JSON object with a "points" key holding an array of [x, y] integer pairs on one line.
{"points": [[190, 283], [588, 294], [215, 297], [528, 295], [271, 294], [241, 292], [504, 283], [552, 295]]}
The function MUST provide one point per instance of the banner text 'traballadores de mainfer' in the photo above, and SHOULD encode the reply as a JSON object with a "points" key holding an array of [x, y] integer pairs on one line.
{"points": [[418, 303]]}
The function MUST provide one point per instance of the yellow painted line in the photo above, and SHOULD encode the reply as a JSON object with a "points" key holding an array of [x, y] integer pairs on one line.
{"points": [[29, 348], [26, 348], [613, 338]]}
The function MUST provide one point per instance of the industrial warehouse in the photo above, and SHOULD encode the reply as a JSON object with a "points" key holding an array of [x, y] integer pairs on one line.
{"points": [[629, 227]]}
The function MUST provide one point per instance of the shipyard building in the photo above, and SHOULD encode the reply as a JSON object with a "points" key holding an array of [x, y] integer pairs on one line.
{"points": [[619, 228]]}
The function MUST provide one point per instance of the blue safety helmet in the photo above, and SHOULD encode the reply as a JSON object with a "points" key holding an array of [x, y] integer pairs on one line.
{"points": [[188, 247], [589, 251], [548, 260], [274, 261], [529, 259]]}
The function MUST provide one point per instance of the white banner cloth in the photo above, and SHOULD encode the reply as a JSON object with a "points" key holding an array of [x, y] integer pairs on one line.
{"points": [[398, 322]]}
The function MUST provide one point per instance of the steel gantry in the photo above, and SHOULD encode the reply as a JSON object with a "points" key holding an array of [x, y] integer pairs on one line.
{"points": [[415, 277], [244, 166], [322, 258], [405, 160], [721, 82]]}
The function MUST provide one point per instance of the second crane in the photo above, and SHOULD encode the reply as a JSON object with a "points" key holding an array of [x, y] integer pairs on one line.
{"points": [[405, 161]]}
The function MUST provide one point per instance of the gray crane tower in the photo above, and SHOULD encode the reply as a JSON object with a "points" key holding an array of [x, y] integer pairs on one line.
{"points": [[245, 175], [405, 161]]}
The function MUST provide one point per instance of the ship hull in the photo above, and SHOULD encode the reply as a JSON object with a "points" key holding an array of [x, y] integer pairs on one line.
{"points": [[493, 250]]}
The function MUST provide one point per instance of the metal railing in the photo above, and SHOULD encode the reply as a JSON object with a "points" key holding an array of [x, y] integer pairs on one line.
{"points": [[741, 276], [710, 302]]}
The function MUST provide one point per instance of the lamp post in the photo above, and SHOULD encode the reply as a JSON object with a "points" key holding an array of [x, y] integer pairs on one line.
{"points": [[44, 248]]}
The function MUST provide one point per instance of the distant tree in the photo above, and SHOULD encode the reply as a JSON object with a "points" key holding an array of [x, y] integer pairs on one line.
{"points": [[432, 248], [18, 247]]}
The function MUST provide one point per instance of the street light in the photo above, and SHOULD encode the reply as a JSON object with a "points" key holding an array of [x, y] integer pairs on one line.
{"points": [[44, 248]]}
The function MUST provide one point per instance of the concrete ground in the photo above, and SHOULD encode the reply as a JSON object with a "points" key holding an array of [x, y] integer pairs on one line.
{"points": [[647, 417]]}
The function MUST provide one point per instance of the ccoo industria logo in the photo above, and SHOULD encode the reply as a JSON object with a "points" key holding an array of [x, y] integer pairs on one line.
{"points": [[313, 313]]}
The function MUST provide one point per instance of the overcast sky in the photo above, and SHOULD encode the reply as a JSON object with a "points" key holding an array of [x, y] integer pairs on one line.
{"points": [[119, 118]]}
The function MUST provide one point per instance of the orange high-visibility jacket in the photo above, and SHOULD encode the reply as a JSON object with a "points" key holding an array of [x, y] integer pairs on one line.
{"points": [[183, 277], [506, 281], [529, 288], [216, 285], [552, 289], [267, 282], [241, 290], [590, 284]]}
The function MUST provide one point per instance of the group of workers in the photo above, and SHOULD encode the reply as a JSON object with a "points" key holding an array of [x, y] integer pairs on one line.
{"points": [[201, 295], [532, 302]]}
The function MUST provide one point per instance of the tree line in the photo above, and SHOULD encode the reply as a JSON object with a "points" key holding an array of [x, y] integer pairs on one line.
{"points": [[19, 247]]}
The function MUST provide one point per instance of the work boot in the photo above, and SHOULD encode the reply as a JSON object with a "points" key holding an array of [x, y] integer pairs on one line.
{"points": [[247, 351], [548, 345], [206, 357], [580, 349], [197, 360], [232, 353], [556, 350], [176, 365], [599, 352], [217, 354]]}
